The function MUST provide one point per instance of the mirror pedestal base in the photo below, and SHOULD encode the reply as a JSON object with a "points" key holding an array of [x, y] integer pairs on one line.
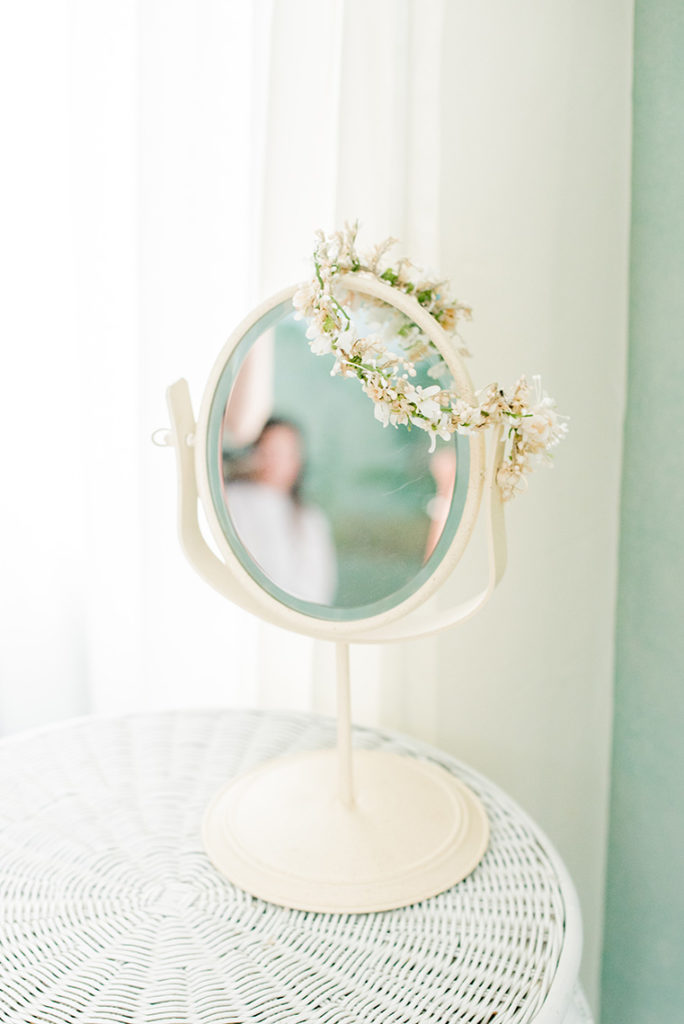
{"points": [[281, 832]]}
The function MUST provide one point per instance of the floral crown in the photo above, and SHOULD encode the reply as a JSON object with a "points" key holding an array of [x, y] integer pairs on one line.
{"points": [[533, 427]]}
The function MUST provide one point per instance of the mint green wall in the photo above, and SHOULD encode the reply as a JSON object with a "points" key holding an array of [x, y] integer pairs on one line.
{"points": [[643, 967]]}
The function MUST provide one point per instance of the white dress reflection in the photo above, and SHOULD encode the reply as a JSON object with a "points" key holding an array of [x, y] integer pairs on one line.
{"points": [[289, 540]]}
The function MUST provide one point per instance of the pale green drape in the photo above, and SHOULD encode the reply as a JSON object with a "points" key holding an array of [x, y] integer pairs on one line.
{"points": [[644, 939]]}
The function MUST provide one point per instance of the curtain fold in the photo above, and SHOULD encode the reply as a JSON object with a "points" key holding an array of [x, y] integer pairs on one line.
{"points": [[129, 242], [182, 208], [351, 133]]}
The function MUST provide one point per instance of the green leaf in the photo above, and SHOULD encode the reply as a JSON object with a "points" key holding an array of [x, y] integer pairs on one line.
{"points": [[424, 296], [390, 275]]}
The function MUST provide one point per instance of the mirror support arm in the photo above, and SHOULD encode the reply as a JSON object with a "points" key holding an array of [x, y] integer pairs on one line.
{"points": [[497, 553]]}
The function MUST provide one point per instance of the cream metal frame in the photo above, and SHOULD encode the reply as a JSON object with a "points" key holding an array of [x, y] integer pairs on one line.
{"points": [[227, 574]]}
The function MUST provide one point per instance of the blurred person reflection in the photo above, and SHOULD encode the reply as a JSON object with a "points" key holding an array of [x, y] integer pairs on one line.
{"points": [[290, 541], [443, 469]]}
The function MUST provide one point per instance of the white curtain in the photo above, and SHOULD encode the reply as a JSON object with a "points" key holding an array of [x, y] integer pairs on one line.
{"points": [[128, 260], [173, 160], [352, 130], [494, 140]]}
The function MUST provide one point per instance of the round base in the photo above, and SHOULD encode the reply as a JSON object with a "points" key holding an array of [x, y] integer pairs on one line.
{"points": [[281, 833]]}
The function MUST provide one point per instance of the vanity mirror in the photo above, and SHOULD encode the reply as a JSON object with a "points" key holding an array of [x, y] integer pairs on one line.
{"points": [[332, 516], [325, 523]]}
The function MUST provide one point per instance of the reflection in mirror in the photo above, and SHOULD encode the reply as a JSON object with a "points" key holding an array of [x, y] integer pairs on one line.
{"points": [[330, 507], [288, 536]]}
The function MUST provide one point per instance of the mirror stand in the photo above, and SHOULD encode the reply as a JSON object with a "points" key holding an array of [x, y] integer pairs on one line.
{"points": [[345, 830], [345, 769]]}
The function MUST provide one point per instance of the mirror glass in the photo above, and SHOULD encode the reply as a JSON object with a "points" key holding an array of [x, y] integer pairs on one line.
{"points": [[333, 514]]}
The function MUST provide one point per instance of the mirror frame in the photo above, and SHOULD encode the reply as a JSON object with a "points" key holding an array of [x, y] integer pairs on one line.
{"points": [[248, 592]]}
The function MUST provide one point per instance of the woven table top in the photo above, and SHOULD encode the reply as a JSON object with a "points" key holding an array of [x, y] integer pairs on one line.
{"points": [[111, 911]]}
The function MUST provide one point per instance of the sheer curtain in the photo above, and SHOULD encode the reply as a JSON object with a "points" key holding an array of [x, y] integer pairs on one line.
{"points": [[131, 232], [179, 157], [352, 130]]}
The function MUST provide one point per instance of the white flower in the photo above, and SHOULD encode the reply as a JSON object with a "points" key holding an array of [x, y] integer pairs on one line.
{"points": [[303, 300], [537, 428], [316, 327], [344, 341], [382, 413], [427, 404], [321, 344], [511, 481], [444, 427], [541, 427]]}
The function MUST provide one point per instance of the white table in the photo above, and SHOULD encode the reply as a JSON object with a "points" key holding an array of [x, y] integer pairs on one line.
{"points": [[111, 912]]}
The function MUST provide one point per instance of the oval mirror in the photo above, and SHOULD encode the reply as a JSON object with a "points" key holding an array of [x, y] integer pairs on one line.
{"points": [[330, 513]]}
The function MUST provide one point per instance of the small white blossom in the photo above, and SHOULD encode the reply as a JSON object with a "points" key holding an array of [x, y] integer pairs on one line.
{"points": [[321, 344], [511, 481], [427, 403], [303, 300], [382, 413]]}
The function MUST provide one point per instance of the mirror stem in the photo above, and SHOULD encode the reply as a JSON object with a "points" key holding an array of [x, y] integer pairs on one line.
{"points": [[344, 741]]}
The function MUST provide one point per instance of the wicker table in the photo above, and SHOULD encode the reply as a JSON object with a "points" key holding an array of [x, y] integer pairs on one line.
{"points": [[111, 912]]}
